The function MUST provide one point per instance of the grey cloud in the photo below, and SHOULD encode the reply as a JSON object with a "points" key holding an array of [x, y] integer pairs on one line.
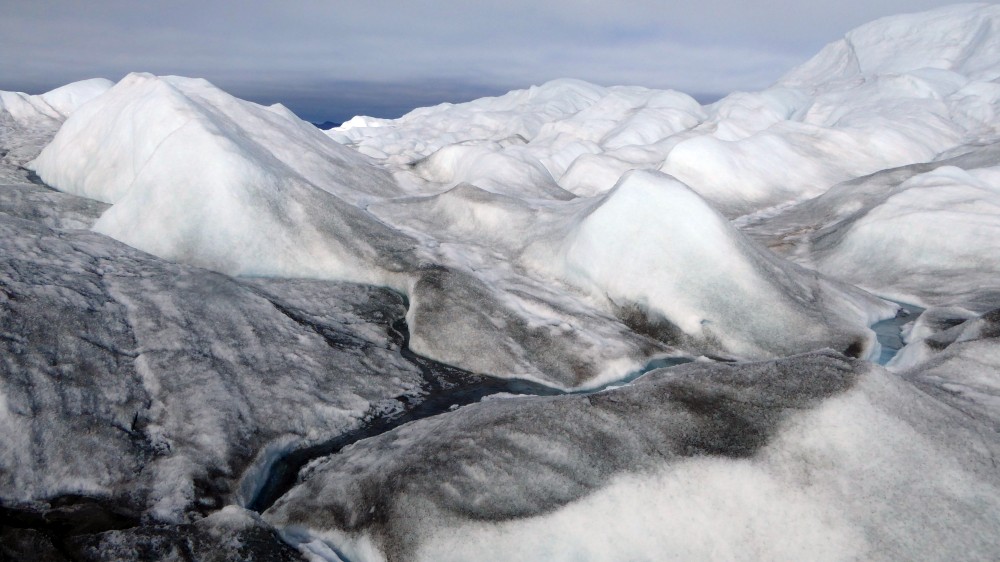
{"points": [[268, 48]]}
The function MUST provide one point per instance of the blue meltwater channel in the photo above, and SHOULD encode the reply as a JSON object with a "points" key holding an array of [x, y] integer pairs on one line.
{"points": [[889, 332]]}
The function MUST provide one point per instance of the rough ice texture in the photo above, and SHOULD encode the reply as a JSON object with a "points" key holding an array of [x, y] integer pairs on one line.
{"points": [[938, 328], [229, 535], [567, 234], [926, 233], [155, 384], [197, 176], [655, 246], [776, 459], [961, 367], [895, 92], [200, 177], [936, 239]]}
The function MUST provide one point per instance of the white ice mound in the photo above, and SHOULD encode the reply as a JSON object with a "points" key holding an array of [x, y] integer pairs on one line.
{"points": [[141, 121], [960, 38], [665, 258], [55, 105], [933, 239], [527, 142], [896, 92], [518, 113], [201, 177]]}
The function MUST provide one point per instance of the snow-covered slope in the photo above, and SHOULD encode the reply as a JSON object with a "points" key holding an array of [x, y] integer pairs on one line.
{"points": [[656, 248], [924, 234], [960, 39], [27, 123], [935, 240]]}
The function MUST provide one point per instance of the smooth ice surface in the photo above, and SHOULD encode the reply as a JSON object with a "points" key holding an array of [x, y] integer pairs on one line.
{"points": [[198, 176], [55, 105], [28, 122]]}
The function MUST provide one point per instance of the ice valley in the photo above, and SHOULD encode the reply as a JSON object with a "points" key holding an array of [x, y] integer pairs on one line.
{"points": [[571, 322]]}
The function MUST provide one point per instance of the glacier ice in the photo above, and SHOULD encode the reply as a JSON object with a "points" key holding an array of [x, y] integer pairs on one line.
{"points": [[54, 105], [322, 319], [653, 245], [144, 380], [856, 108], [197, 176], [924, 233], [813, 456], [28, 122]]}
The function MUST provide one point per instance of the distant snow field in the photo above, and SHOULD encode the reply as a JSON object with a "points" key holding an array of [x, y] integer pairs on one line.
{"points": [[227, 333]]}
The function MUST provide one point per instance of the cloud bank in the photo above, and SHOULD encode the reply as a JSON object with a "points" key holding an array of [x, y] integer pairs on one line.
{"points": [[331, 60]]}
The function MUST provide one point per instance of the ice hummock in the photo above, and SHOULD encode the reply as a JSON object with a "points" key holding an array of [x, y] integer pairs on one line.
{"points": [[198, 176], [895, 92], [654, 247], [54, 105], [924, 234], [28, 122]]}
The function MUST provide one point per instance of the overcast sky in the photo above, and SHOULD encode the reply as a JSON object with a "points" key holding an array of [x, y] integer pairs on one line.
{"points": [[335, 59]]}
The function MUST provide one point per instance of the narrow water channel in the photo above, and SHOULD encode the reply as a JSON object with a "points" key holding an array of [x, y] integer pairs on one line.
{"points": [[890, 332], [447, 387]]}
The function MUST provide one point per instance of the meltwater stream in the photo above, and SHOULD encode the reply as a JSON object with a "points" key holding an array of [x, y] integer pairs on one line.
{"points": [[445, 388], [889, 332]]}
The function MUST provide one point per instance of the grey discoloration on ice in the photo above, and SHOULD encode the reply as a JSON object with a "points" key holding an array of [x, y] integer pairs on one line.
{"points": [[155, 384], [525, 457], [535, 277], [558, 237], [44, 205], [478, 329], [938, 329], [963, 369], [184, 374], [230, 535], [960, 273], [489, 479]]}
